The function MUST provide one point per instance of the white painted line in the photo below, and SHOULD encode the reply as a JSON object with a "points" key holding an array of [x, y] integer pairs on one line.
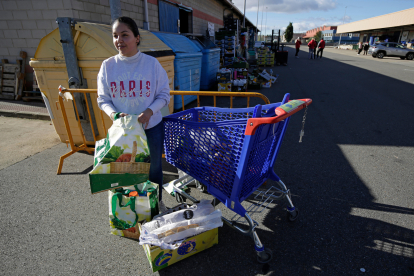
{"points": [[408, 70]]}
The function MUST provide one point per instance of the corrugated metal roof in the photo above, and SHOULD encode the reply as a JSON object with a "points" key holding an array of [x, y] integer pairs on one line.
{"points": [[395, 19], [229, 3]]}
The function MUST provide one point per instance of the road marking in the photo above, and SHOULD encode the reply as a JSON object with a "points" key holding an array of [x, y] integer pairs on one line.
{"points": [[409, 70]]}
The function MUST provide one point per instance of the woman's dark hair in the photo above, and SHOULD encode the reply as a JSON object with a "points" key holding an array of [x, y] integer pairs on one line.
{"points": [[130, 24]]}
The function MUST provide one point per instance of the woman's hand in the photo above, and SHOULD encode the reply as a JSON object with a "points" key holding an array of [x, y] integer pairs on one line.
{"points": [[120, 115], [144, 117]]}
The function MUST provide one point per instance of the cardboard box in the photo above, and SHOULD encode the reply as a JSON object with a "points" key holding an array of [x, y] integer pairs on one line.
{"points": [[267, 84], [242, 75], [161, 258], [224, 87], [224, 77]]}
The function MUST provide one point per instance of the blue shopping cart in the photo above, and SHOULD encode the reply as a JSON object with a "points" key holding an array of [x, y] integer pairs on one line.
{"points": [[232, 153]]}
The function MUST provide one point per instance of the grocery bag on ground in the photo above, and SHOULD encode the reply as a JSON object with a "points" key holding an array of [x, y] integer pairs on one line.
{"points": [[121, 159], [131, 204], [167, 231]]}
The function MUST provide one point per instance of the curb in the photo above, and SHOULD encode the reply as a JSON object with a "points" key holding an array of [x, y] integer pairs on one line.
{"points": [[26, 115]]}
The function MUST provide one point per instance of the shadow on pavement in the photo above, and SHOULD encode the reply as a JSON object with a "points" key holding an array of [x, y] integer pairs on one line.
{"points": [[85, 171], [351, 178], [342, 227]]}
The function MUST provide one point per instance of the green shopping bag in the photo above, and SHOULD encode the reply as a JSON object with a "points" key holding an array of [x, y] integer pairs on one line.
{"points": [[121, 159], [129, 205]]}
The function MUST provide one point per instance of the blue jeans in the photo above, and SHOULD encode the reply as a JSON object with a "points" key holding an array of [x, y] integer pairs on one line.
{"points": [[155, 139], [311, 53]]}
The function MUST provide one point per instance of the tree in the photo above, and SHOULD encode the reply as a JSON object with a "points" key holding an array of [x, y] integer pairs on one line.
{"points": [[289, 32], [318, 36]]}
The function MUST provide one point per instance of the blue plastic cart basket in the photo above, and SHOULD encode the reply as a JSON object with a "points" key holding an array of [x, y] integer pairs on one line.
{"points": [[231, 151]]}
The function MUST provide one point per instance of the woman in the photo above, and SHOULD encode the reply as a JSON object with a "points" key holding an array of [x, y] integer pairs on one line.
{"points": [[297, 44], [359, 47], [135, 83], [311, 45]]}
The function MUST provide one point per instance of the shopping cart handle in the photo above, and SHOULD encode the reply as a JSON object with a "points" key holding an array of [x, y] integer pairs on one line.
{"points": [[291, 106], [282, 112]]}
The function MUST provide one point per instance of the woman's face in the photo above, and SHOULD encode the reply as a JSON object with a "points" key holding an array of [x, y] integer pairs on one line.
{"points": [[124, 40]]}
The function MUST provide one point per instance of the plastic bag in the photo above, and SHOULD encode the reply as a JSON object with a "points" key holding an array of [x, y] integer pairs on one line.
{"points": [[170, 230], [122, 159], [131, 204]]}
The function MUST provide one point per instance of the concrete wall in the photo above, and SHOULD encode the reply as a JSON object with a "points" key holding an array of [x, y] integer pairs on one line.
{"points": [[23, 23], [204, 12]]}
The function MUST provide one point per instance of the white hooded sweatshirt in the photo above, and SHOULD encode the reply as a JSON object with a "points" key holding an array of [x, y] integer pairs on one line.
{"points": [[133, 84]]}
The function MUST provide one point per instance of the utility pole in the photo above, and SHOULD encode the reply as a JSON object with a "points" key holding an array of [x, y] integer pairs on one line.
{"points": [[257, 20], [343, 22], [266, 25], [244, 15], [115, 6]]}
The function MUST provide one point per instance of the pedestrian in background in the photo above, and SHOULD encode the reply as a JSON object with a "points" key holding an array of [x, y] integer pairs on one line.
{"points": [[366, 47], [311, 45], [314, 49], [359, 47], [321, 46], [297, 43]]}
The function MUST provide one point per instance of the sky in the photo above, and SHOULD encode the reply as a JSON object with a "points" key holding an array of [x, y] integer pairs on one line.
{"points": [[309, 14]]}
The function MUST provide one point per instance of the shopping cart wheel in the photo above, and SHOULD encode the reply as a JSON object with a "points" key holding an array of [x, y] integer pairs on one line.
{"points": [[202, 188], [292, 215], [179, 198], [265, 256]]}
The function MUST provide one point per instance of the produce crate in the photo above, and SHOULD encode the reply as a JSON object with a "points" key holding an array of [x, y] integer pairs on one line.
{"points": [[224, 77], [224, 87]]}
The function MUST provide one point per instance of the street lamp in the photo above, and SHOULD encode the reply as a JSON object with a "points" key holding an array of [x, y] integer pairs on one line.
{"points": [[266, 25], [343, 22], [261, 26]]}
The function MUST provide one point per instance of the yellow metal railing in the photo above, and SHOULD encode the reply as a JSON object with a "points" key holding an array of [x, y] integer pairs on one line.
{"points": [[216, 94], [67, 94]]}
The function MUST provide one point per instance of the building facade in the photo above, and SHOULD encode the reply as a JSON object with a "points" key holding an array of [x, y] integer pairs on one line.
{"points": [[334, 37], [296, 36], [23, 23], [392, 27], [312, 33]]}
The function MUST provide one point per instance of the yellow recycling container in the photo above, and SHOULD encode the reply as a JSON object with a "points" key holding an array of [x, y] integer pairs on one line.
{"points": [[93, 43]]}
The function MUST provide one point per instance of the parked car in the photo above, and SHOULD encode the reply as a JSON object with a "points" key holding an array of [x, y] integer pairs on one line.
{"points": [[390, 49]]}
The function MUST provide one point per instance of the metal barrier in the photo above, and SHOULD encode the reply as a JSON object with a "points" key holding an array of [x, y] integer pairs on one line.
{"points": [[67, 94]]}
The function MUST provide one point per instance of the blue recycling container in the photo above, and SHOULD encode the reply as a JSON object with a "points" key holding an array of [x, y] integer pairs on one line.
{"points": [[210, 63], [187, 65]]}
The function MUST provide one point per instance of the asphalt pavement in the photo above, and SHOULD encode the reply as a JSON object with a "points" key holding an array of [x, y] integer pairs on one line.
{"points": [[351, 178]]}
